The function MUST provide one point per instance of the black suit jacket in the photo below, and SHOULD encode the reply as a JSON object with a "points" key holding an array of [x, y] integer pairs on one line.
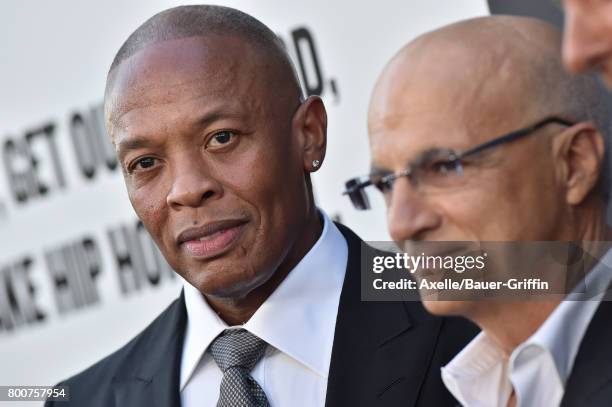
{"points": [[590, 382], [384, 354]]}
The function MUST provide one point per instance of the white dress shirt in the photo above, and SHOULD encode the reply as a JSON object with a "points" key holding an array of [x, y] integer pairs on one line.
{"points": [[480, 375], [298, 321]]}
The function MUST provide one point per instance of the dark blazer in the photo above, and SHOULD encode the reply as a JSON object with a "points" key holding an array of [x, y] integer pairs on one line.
{"points": [[590, 382], [384, 354]]}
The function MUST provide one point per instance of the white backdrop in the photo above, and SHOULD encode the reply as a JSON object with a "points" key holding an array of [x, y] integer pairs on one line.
{"points": [[77, 279]]}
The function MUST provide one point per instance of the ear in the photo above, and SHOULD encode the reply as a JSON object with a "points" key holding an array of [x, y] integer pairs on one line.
{"points": [[582, 152], [310, 126]]}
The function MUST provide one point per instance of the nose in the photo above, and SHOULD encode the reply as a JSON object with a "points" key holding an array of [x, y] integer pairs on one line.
{"points": [[409, 215], [193, 186], [585, 44]]}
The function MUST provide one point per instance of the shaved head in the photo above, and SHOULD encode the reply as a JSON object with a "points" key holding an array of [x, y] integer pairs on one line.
{"points": [[205, 21], [198, 20], [510, 67]]}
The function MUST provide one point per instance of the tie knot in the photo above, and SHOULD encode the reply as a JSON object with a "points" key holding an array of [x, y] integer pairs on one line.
{"points": [[237, 348]]}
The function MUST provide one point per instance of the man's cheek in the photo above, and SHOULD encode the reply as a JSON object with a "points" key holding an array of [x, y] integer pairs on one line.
{"points": [[150, 198], [153, 216]]}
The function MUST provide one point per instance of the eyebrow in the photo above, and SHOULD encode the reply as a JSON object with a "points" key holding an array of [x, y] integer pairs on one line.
{"points": [[123, 147], [219, 112], [377, 170], [431, 152], [215, 115]]}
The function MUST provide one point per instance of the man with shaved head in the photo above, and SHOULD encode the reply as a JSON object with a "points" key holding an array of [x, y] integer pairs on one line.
{"points": [[217, 145], [478, 135]]}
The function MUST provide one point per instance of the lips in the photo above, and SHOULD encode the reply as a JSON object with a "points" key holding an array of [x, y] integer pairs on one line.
{"points": [[212, 239]]}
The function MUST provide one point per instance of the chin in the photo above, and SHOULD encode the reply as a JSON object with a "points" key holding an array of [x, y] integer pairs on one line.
{"points": [[217, 282], [446, 308], [228, 281], [219, 289]]}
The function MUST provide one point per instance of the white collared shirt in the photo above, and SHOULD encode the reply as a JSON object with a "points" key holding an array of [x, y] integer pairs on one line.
{"points": [[480, 375], [298, 321]]}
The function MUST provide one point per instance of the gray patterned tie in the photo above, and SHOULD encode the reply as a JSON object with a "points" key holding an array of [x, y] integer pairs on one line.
{"points": [[236, 352]]}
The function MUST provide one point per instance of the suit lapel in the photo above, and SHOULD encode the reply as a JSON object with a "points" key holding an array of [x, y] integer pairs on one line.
{"points": [[150, 376], [382, 350], [590, 382]]}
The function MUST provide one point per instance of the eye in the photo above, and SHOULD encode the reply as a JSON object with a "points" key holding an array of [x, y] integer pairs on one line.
{"points": [[220, 139], [142, 164], [443, 167]]}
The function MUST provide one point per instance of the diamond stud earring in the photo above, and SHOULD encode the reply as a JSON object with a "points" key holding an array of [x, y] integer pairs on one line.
{"points": [[316, 163]]}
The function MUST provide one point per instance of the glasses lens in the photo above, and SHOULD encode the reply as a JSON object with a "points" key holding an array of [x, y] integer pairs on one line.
{"points": [[438, 170], [357, 194]]}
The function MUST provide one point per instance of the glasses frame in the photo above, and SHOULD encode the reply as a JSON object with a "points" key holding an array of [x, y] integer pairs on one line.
{"points": [[355, 187]]}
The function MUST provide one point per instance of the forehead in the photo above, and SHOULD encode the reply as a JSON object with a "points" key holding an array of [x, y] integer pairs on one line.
{"points": [[451, 102], [210, 69]]}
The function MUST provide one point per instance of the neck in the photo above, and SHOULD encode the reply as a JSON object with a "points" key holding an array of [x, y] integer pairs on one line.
{"points": [[510, 323], [238, 310]]}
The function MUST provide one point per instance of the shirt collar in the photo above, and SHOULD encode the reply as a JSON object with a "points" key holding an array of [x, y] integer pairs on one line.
{"points": [[480, 375], [299, 317], [562, 332], [476, 375]]}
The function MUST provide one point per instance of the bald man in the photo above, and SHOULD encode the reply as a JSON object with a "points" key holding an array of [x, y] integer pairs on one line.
{"points": [[477, 134], [217, 146], [587, 39]]}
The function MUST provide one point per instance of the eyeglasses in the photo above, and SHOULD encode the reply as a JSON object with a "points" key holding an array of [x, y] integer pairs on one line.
{"points": [[436, 169]]}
